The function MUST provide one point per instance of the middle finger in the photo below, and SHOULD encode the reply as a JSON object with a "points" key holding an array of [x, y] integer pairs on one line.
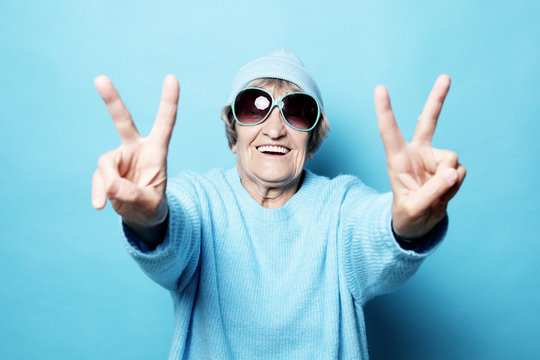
{"points": [[427, 121]]}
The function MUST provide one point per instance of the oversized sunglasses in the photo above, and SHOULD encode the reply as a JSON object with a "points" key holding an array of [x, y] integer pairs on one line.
{"points": [[251, 106]]}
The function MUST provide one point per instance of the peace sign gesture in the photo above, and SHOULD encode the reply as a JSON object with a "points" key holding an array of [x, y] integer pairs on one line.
{"points": [[134, 175], [423, 178]]}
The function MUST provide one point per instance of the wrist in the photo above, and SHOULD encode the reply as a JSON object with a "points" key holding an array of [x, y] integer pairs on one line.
{"points": [[150, 235], [141, 221], [408, 235], [410, 243]]}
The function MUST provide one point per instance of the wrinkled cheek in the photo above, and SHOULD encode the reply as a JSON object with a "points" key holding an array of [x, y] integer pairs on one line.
{"points": [[302, 159], [245, 161]]}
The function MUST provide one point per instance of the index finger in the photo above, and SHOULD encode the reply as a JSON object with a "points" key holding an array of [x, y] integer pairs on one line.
{"points": [[391, 136], [119, 113], [427, 121], [166, 116]]}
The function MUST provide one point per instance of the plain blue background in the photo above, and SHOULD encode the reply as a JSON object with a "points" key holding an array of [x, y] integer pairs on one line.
{"points": [[69, 289]]}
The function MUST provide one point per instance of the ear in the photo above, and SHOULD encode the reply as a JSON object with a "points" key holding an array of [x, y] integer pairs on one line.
{"points": [[233, 149]]}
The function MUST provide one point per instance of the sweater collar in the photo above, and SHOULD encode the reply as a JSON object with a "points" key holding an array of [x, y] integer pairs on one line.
{"points": [[296, 202]]}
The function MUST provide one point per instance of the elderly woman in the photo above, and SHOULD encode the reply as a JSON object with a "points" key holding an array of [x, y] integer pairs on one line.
{"points": [[268, 260]]}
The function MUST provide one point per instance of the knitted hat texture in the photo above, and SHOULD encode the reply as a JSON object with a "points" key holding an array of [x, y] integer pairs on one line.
{"points": [[279, 64]]}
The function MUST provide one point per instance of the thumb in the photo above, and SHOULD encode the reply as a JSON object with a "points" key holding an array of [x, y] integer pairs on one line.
{"points": [[437, 186], [146, 201]]}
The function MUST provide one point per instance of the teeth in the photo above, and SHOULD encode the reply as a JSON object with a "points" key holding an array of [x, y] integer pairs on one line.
{"points": [[272, 148]]}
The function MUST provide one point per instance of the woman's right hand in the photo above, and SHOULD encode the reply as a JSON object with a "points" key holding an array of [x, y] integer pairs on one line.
{"points": [[134, 176]]}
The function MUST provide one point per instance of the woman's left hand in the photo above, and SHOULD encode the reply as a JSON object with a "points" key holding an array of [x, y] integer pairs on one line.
{"points": [[423, 178]]}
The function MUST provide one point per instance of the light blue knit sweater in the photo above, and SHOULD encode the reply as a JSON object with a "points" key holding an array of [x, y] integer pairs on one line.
{"points": [[249, 282]]}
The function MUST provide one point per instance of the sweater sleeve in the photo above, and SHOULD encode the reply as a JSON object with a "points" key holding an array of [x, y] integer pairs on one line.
{"points": [[173, 262], [374, 262]]}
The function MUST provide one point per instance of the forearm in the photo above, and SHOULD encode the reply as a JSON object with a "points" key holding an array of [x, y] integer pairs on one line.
{"points": [[168, 251]]}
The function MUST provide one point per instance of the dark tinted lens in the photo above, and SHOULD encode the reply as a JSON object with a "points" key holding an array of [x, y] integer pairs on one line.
{"points": [[251, 106], [300, 110]]}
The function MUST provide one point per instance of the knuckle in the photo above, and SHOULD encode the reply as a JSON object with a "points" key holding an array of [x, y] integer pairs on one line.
{"points": [[450, 157], [105, 159], [453, 156], [462, 170], [102, 161]]}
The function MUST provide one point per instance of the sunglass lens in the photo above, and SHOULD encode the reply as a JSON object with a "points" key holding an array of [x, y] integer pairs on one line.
{"points": [[251, 106], [300, 110]]}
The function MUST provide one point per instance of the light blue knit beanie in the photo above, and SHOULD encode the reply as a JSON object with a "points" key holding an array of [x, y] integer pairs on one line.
{"points": [[279, 64]]}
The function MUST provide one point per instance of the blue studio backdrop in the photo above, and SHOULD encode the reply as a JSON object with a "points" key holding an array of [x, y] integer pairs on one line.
{"points": [[69, 289]]}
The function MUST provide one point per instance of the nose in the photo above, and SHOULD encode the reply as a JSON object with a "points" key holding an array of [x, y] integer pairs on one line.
{"points": [[274, 125]]}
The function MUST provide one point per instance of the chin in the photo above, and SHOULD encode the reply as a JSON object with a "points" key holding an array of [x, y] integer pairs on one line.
{"points": [[277, 175]]}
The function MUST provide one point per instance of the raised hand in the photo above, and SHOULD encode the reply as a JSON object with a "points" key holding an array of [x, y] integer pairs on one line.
{"points": [[134, 175], [423, 178]]}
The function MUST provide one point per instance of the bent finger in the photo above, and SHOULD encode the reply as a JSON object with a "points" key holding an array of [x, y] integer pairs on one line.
{"points": [[462, 172], [166, 116], [108, 166], [121, 117], [447, 157], [99, 196], [427, 121], [433, 190], [143, 200], [391, 136]]}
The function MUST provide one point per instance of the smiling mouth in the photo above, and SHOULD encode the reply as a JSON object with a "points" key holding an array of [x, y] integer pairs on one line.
{"points": [[273, 150]]}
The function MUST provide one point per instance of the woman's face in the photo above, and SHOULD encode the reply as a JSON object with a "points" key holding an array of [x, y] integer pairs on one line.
{"points": [[271, 154]]}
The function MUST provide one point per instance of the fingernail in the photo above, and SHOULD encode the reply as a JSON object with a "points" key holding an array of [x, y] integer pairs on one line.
{"points": [[451, 176]]}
